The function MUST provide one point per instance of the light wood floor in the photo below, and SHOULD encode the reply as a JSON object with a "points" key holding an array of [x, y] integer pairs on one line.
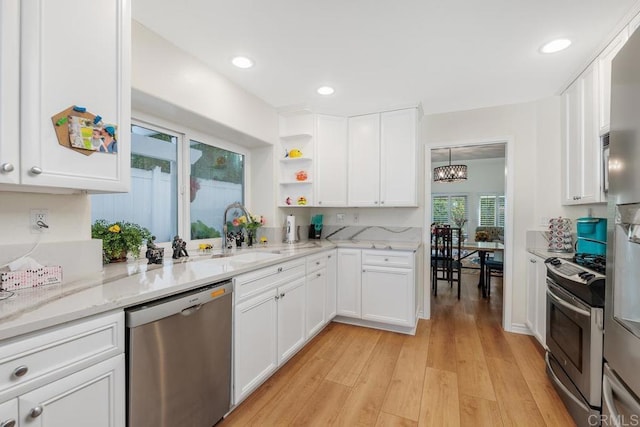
{"points": [[460, 369]]}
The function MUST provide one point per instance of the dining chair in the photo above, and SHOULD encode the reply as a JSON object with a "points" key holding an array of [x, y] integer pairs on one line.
{"points": [[445, 256], [493, 267]]}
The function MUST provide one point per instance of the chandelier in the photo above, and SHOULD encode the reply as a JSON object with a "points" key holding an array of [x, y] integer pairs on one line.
{"points": [[450, 173]]}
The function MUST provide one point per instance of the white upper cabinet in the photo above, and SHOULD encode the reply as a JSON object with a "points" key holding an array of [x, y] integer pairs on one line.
{"points": [[382, 159], [364, 160], [398, 158], [67, 56], [581, 141], [604, 68], [331, 161], [9, 91]]}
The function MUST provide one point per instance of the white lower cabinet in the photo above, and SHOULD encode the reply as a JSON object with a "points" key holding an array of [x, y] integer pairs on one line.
{"points": [[269, 319], [9, 413], [332, 281], [71, 375], [94, 396], [377, 286], [536, 318], [321, 291]]}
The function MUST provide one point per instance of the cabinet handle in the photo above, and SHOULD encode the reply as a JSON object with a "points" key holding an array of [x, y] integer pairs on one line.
{"points": [[9, 423], [317, 262], [328, 256], [375, 203], [386, 260], [533, 261], [20, 371], [382, 202], [318, 275], [279, 269], [36, 412], [6, 167], [319, 202], [282, 295], [277, 297], [36, 170]]}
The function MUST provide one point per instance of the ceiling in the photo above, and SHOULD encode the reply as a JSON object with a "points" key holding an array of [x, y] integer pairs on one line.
{"points": [[469, 152], [383, 54]]}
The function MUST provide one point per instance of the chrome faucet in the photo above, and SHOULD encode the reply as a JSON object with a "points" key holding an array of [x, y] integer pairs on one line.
{"points": [[225, 239]]}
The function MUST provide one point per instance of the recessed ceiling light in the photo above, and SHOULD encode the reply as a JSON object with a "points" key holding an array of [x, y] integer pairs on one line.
{"points": [[325, 90], [555, 46], [242, 62]]}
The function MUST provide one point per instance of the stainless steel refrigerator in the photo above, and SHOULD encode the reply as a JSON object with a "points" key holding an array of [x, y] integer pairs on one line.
{"points": [[621, 379]]}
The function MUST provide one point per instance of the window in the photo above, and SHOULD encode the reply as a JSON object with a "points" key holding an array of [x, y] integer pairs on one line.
{"points": [[491, 211], [449, 209], [215, 178]]}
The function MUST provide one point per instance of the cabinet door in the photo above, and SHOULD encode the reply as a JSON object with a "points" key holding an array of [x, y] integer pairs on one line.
{"points": [[364, 160], [349, 282], [591, 168], [255, 344], [572, 145], [92, 397], [9, 413], [74, 56], [9, 91], [332, 279], [532, 294], [398, 159], [291, 316], [387, 295], [331, 161], [316, 299], [541, 304], [604, 67]]}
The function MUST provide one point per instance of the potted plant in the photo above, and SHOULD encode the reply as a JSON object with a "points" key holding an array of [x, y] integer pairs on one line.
{"points": [[119, 238], [251, 226]]}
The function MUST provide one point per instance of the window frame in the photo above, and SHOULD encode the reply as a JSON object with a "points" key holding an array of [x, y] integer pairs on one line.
{"points": [[449, 204], [497, 205], [185, 135]]}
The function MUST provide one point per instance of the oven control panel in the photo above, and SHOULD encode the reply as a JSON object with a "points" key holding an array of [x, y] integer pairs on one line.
{"points": [[585, 284]]}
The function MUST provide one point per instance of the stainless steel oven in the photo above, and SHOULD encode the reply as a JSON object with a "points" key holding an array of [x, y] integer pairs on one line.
{"points": [[574, 338]]}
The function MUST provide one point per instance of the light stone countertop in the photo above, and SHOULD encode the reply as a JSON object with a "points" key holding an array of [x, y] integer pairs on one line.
{"points": [[128, 284]]}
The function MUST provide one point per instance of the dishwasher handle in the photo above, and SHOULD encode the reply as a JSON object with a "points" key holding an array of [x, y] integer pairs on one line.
{"points": [[185, 304]]}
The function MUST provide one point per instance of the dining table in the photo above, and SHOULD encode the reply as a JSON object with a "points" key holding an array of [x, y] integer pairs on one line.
{"points": [[482, 248]]}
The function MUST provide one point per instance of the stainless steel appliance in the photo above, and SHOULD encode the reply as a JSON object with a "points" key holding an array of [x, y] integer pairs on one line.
{"points": [[621, 382], [574, 336], [179, 359]]}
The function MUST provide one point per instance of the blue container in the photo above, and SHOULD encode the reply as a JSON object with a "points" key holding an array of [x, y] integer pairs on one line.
{"points": [[592, 236]]}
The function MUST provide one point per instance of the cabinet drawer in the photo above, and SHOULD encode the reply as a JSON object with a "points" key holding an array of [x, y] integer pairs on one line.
{"points": [[43, 357], [317, 262], [258, 281], [388, 258]]}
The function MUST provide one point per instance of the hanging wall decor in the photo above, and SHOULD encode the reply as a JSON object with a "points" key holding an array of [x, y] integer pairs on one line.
{"points": [[84, 132]]}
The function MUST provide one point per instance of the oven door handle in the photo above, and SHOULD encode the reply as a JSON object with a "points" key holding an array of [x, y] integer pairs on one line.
{"points": [[567, 305], [566, 391]]}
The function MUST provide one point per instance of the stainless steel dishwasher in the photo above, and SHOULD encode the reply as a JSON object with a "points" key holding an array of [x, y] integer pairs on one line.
{"points": [[179, 359]]}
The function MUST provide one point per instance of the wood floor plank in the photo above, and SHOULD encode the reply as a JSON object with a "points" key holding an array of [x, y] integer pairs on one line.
{"points": [[285, 405], [508, 381], [473, 372], [360, 343], [440, 402], [479, 412], [405, 391], [521, 413], [551, 408], [442, 347], [363, 404], [528, 357], [388, 420], [324, 406], [494, 343]]}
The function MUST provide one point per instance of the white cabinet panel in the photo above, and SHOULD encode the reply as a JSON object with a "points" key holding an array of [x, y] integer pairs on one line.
{"points": [[604, 68], [331, 161], [349, 282], [364, 160], [9, 91], [398, 161], [536, 315], [57, 73], [316, 299], [93, 396], [291, 318], [331, 289], [255, 343], [9, 413], [387, 295]]}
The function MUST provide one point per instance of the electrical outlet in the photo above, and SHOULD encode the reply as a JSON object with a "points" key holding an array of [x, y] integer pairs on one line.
{"points": [[340, 218], [356, 218], [37, 218]]}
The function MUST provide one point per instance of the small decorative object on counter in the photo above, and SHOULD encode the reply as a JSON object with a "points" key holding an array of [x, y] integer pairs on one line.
{"points": [[560, 238], [302, 201], [263, 240], [239, 239], [119, 239], [251, 226], [179, 247], [288, 200], [154, 254], [301, 176], [205, 248]]}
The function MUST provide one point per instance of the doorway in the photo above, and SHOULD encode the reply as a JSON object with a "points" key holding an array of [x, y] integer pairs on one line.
{"points": [[482, 200]]}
